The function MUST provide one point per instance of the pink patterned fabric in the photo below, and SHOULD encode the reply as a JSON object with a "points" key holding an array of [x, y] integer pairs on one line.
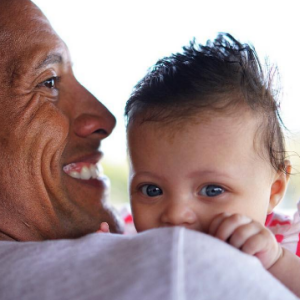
{"points": [[286, 230]]}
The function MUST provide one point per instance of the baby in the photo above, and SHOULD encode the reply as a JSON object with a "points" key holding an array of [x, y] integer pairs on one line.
{"points": [[207, 151]]}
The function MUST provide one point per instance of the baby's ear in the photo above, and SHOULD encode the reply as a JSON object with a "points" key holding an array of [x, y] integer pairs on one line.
{"points": [[279, 186]]}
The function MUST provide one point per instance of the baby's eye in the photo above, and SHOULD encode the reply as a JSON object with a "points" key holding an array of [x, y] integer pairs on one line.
{"points": [[151, 190], [211, 190], [50, 83]]}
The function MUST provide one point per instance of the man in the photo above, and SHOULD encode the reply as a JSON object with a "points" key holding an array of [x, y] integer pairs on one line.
{"points": [[51, 130]]}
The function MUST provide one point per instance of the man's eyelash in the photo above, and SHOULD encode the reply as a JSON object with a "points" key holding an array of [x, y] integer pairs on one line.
{"points": [[56, 80]]}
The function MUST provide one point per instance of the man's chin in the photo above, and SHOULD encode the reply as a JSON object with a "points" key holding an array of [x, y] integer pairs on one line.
{"points": [[89, 201], [88, 192]]}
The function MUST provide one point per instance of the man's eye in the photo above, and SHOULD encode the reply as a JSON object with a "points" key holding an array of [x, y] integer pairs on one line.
{"points": [[151, 190], [50, 83], [211, 191]]}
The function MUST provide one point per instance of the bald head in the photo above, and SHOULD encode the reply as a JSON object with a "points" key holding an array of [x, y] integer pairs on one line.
{"points": [[18, 18]]}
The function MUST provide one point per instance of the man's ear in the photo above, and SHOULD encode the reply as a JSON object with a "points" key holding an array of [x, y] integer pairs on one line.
{"points": [[279, 186]]}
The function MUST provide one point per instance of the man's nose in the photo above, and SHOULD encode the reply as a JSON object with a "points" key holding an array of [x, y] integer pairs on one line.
{"points": [[178, 213], [92, 119]]}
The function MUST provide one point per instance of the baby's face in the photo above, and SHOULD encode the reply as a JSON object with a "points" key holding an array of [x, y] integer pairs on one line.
{"points": [[187, 174]]}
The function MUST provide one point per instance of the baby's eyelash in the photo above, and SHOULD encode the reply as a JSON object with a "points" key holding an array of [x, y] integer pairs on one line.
{"points": [[151, 190], [211, 190]]}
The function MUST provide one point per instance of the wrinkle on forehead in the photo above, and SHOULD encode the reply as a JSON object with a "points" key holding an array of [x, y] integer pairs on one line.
{"points": [[20, 20], [16, 12]]}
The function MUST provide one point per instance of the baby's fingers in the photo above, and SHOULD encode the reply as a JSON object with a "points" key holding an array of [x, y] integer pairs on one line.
{"points": [[104, 228], [216, 222], [223, 226], [263, 247], [255, 244], [243, 233]]}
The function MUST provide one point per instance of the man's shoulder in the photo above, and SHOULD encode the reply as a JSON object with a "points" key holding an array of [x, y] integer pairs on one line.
{"points": [[93, 243], [104, 266], [166, 263]]}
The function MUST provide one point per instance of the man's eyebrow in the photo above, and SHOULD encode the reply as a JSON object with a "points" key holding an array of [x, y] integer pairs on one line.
{"points": [[50, 60]]}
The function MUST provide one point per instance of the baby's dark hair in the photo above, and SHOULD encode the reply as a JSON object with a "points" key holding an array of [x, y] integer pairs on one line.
{"points": [[219, 76]]}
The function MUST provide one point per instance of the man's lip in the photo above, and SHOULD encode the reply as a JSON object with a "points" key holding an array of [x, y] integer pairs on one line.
{"points": [[92, 158], [85, 168]]}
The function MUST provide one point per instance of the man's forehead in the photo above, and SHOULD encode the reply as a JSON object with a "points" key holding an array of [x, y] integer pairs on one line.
{"points": [[27, 44], [23, 8], [20, 19]]}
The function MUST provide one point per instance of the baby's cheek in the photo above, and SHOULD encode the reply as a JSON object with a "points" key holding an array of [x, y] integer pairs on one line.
{"points": [[142, 220], [136, 224], [137, 220]]}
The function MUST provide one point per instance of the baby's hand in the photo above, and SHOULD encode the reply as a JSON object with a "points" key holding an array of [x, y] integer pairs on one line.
{"points": [[104, 228], [247, 235]]}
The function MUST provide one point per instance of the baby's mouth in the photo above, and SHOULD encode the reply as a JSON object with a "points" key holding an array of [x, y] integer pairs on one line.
{"points": [[83, 170]]}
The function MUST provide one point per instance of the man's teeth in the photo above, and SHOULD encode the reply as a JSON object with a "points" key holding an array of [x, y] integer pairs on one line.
{"points": [[86, 173]]}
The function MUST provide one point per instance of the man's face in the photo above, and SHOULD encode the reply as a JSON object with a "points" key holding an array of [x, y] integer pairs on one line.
{"points": [[51, 130], [185, 174]]}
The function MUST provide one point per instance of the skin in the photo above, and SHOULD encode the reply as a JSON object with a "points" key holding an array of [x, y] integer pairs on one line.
{"points": [[173, 168], [218, 151], [48, 120]]}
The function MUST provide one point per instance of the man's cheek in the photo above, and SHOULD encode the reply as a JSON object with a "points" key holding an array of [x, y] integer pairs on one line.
{"points": [[41, 122], [39, 131]]}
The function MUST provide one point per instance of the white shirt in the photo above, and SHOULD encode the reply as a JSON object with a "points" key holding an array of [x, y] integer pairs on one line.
{"points": [[165, 263]]}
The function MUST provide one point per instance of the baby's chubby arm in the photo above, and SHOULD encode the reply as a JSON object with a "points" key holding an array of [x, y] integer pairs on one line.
{"points": [[253, 238]]}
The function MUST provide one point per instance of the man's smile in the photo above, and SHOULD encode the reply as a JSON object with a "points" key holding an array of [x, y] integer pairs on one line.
{"points": [[86, 168], [83, 170]]}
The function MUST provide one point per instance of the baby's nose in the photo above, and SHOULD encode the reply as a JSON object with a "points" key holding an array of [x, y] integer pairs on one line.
{"points": [[178, 213]]}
